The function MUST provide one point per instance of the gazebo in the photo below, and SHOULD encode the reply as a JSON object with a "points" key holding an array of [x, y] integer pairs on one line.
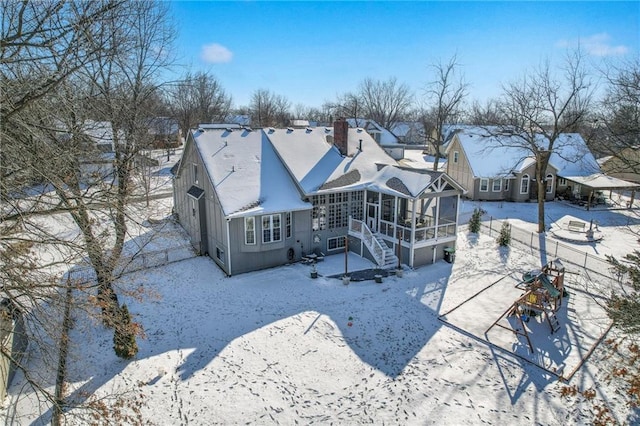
{"points": [[598, 182]]}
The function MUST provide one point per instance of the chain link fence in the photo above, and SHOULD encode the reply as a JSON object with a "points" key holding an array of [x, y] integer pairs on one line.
{"points": [[138, 262], [591, 271]]}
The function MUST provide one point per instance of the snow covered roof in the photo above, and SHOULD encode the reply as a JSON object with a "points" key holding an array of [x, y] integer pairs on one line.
{"points": [[572, 157], [487, 154], [385, 136], [602, 181], [246, 173], [494, 155], [403, 182], [315, 162]]}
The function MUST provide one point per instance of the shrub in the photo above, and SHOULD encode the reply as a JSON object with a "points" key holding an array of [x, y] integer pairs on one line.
{"points": [[504, 238], [474, 222]]}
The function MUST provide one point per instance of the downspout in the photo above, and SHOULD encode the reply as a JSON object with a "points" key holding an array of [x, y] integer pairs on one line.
{"points": [[228, 246]]}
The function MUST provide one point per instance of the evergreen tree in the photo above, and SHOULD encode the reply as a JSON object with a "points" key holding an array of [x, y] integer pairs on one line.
{"points": [[624, 308], [504, 238], [474, 222], [124, 336]]}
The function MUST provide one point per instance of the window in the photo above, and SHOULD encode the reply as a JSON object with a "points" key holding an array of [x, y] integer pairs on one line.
{"points": [[484, 185], [220, 254], [549, 182], [271, 228], [249, 230], [335, 243], [195, 173], [497, 185], [287, 224], [456, 154], [506, 184], [524, 184], [562, 182]]}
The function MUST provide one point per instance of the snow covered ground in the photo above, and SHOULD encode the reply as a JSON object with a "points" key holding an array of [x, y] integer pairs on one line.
{"points": [[278, 347]]}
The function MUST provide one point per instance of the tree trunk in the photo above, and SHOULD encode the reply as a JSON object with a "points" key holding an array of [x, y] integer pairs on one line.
{"points": [[61, 372]]}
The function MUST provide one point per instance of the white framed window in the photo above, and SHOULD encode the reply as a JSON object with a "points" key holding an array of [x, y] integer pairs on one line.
{"points": [[506, 184], [497, 185], [524, 184], [287, 224], [271, 228], [562, 182], [549, 182], [335, 243], [456, 155], [484, 185], [249, 230]]}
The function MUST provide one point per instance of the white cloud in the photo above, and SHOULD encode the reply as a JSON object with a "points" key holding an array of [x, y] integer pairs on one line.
{"points": [[215, 53], [595, 45]]}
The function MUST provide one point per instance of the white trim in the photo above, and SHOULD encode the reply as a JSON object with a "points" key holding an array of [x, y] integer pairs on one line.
{"points": [[549, 183], [340, 243], [486, 181], [525, 178], [493, 185], [253, 219]]}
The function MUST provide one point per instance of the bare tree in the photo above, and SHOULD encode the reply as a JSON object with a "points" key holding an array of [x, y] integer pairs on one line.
{"points": [[198, 98], [48, 49], [346, 105], [268, 109], [539, 108], [385, 102], [485, 115], [619, 117], [444, 97]]}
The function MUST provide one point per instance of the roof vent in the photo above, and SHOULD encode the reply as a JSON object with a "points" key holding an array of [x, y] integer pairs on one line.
{"points": [[271, 130], [229, 129], [289, 130], [327, 129], [309, 129], [359, 130], [200, 129]]}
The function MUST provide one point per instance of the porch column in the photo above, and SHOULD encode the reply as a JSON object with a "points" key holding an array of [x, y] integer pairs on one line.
{"points": [[412, 240]]}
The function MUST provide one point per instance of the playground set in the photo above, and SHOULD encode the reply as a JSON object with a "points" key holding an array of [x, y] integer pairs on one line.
{"points": [[542, 299]]}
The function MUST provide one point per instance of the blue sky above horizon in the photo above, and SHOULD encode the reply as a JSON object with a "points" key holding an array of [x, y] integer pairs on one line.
{"points": [[310, 52]]}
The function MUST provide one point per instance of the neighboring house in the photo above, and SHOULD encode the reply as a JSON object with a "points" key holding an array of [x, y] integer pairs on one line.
{"points": [[164, 132], [627, 169], [387, 140], [259, 198], [495, 167], [409, 132]]}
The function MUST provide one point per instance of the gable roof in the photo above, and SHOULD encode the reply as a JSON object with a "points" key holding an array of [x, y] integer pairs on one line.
{"points": [[409, 182], [372, 127], [498, 155], [245, 172], [314, 161]]}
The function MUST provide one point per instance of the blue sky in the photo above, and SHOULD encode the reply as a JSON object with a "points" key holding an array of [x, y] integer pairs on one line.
{"points": [[310, 51]]}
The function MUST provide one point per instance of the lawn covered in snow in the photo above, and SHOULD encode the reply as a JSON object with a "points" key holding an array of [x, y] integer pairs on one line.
{"points": [[278, 347]]}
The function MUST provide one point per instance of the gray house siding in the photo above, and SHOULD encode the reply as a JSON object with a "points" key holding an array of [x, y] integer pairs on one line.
{"points": [[186, 207], [251, 257]]}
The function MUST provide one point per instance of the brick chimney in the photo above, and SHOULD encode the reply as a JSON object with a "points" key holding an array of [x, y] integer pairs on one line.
{"points": [[341, 135]]}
